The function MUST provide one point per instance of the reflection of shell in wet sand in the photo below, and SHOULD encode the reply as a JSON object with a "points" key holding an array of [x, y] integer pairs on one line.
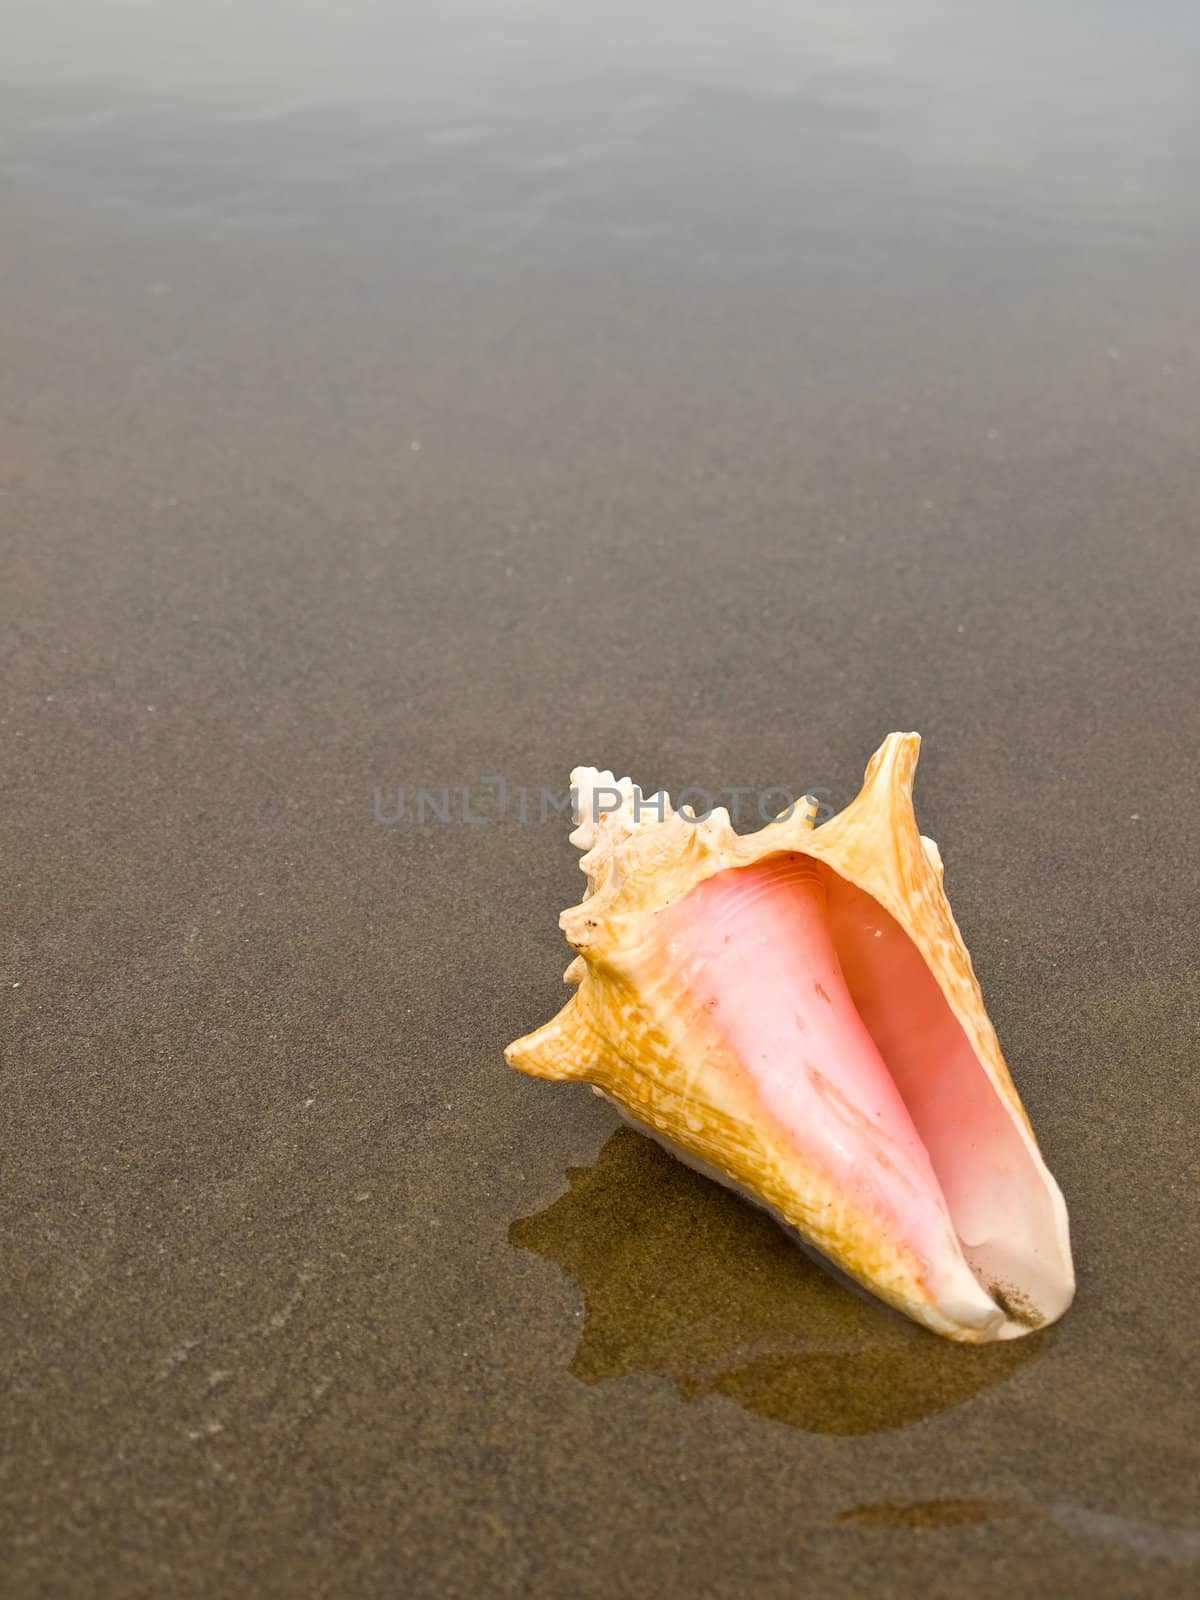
{"points": [[795, 1013], [682, 1281]]}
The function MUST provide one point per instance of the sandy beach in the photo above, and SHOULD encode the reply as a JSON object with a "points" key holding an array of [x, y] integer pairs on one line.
{"points": [[428, 402]]}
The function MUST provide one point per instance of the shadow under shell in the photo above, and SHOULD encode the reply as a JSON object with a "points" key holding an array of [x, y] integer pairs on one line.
{"points": [[685, 1281]]}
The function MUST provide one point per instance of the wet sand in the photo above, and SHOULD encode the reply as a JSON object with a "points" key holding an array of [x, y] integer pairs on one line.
{"points": [[322, 481]]}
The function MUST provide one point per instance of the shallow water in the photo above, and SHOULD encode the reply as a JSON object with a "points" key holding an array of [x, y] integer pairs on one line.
{"points": [[420, 394], [518, 126]]}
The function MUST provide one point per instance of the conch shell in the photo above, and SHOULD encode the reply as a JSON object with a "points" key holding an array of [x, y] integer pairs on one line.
{"points": [[795, 1013]]}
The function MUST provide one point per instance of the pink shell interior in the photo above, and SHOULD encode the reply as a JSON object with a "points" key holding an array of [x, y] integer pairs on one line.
{"points": [[829, 1008]]}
